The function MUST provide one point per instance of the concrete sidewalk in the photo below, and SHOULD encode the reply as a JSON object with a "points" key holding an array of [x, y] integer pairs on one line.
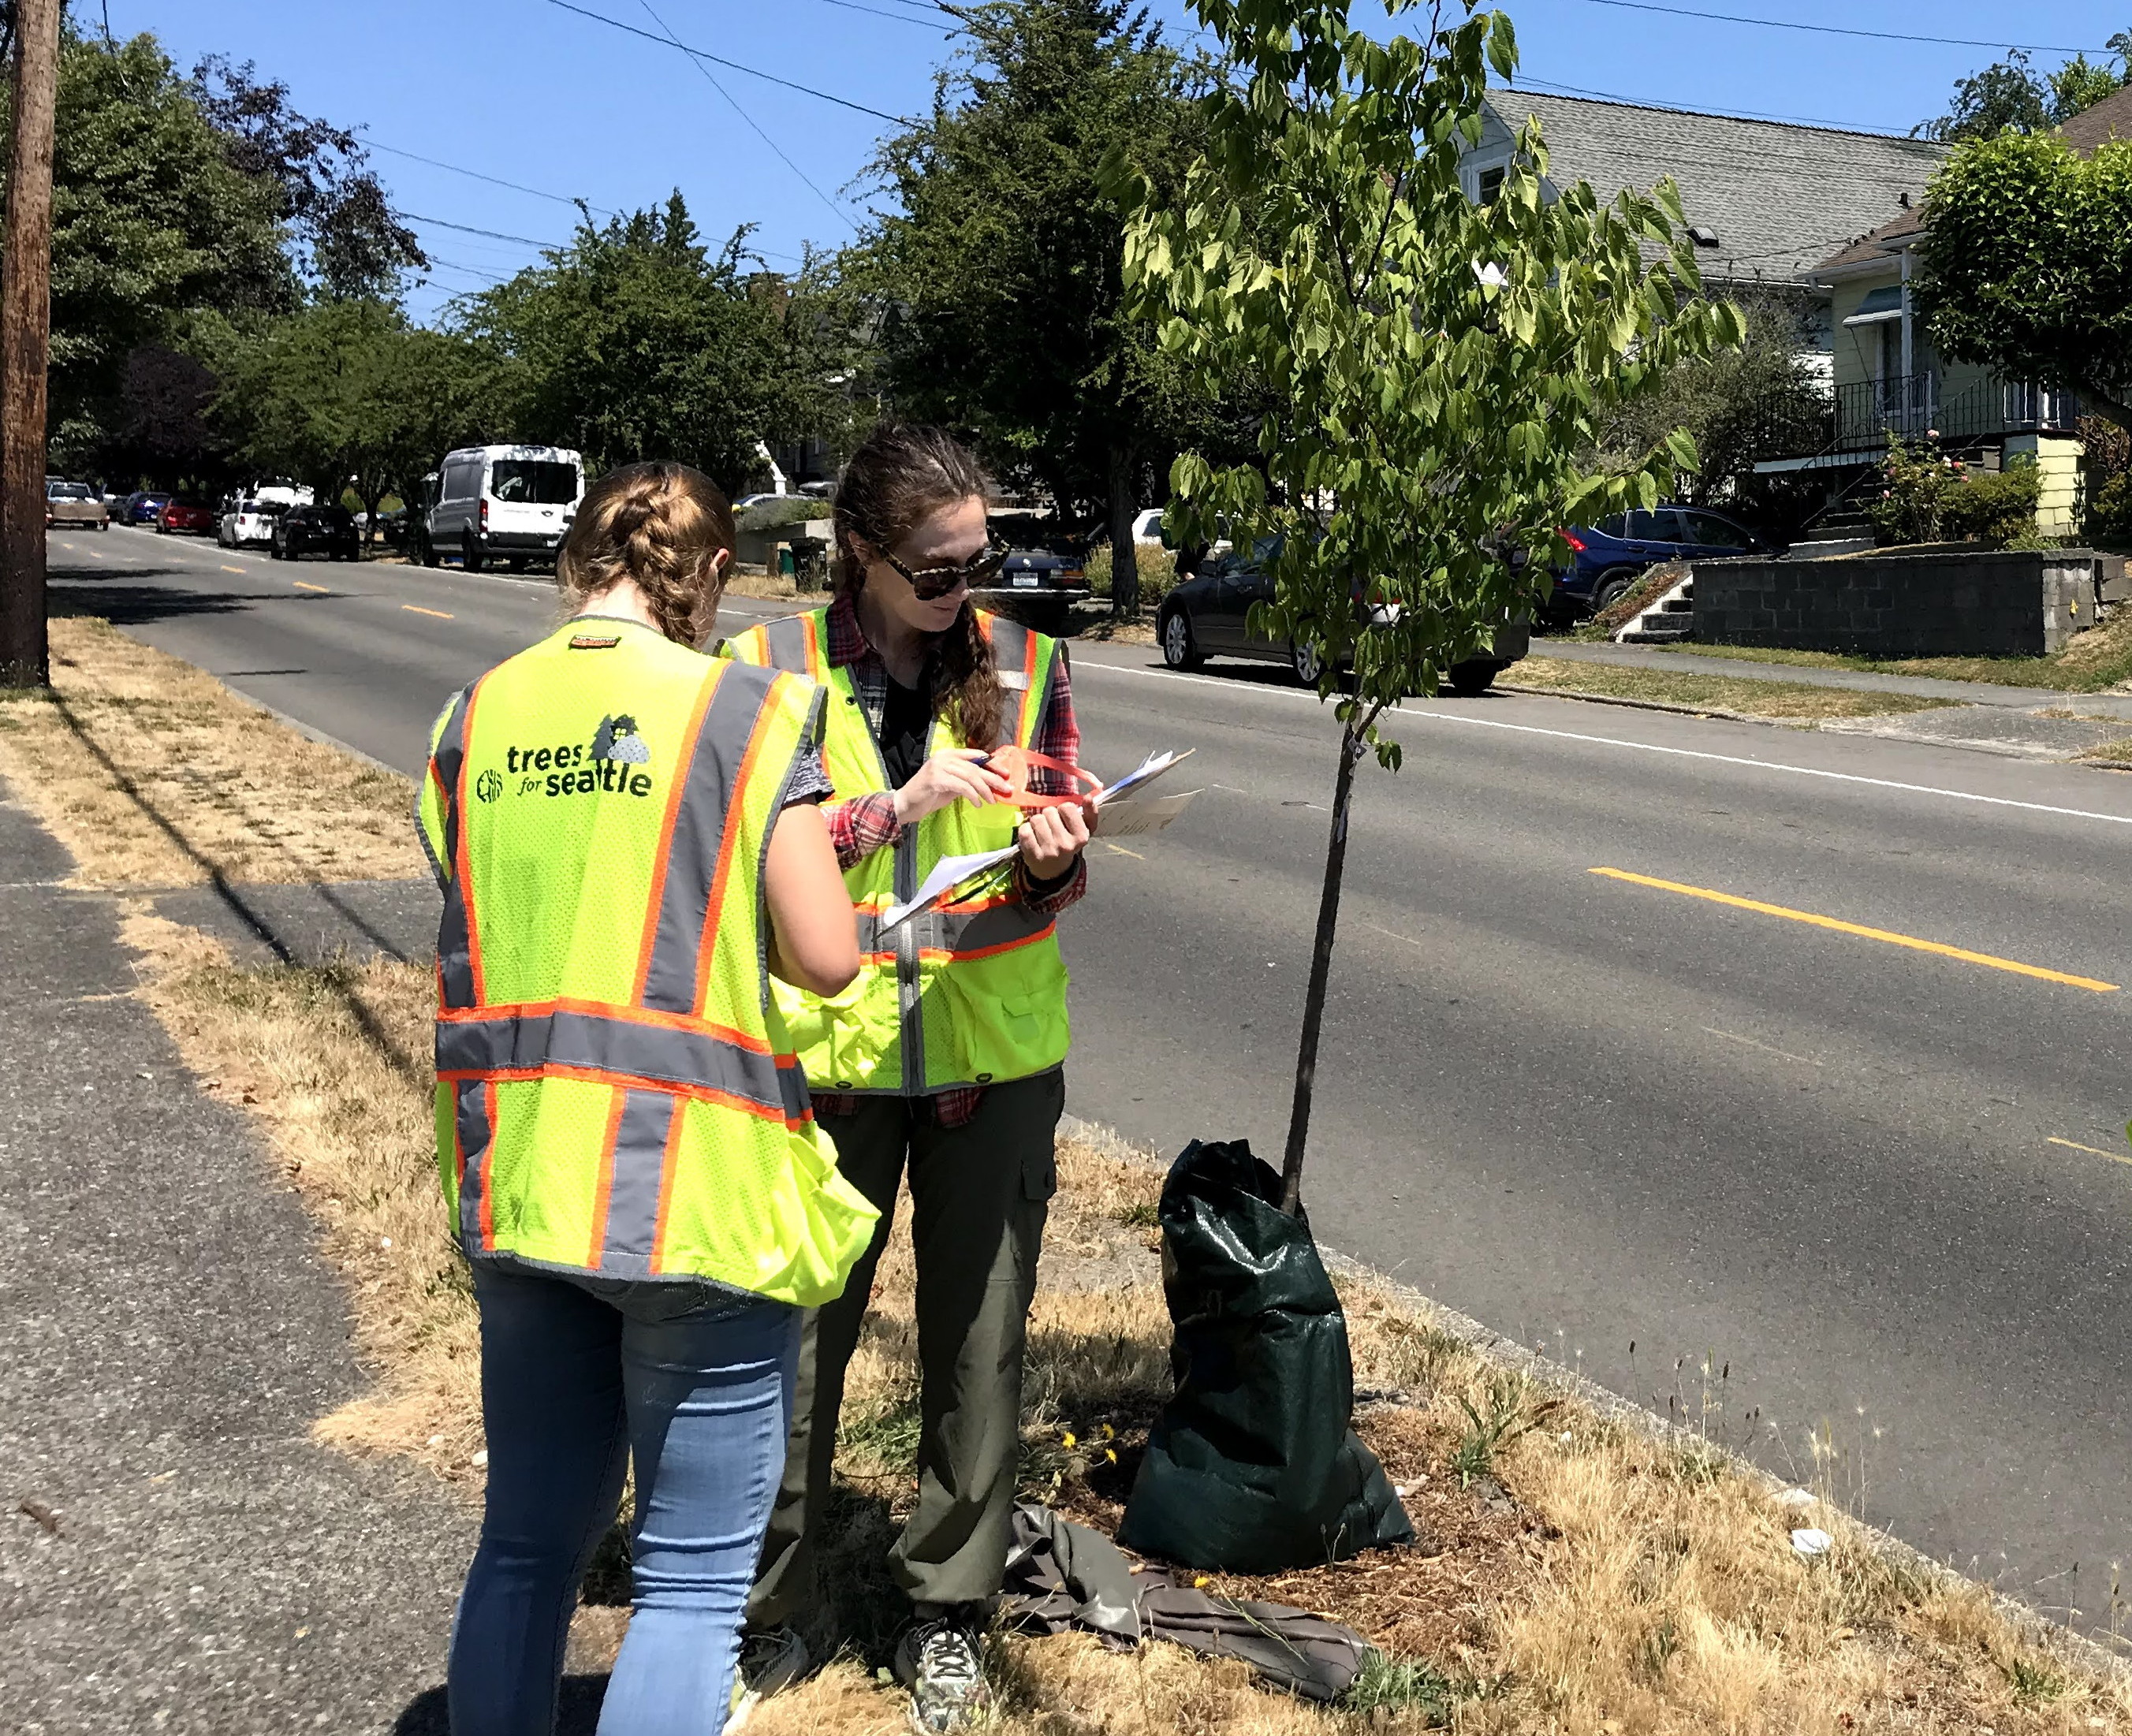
{"points": [[1966, 693], [175, 1552]]}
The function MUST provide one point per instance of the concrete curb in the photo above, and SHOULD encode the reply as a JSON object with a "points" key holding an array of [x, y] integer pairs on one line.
{"points": [[2036, 1629]]}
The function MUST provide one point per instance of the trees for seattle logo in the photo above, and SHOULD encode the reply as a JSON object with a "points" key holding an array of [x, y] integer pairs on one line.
{"points": [[489, 785], [606, 764]]}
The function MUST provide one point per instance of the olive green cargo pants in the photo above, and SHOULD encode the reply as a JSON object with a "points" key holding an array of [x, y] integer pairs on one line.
{"points": [[979, 1196]]}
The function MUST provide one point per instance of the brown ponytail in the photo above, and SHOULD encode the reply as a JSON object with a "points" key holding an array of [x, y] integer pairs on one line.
{"points": [[662, 526], [901, 474]]}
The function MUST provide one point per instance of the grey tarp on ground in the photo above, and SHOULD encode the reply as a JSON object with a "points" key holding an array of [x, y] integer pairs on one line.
{"points": [[1061, 1575]]}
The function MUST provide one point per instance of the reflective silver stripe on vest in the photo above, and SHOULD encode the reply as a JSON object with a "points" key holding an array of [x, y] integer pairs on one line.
{"points": [[525, 1042], [470, 1119], [454, 945], [980, 930], [710, 799], [786, 640], [640, 1176], [1010, 651]]}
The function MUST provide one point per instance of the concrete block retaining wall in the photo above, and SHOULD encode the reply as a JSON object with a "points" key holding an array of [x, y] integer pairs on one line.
{"points": [[1982, 603]]}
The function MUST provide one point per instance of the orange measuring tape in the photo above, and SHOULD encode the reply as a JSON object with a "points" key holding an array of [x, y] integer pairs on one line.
{"points": [[1014, 764]]}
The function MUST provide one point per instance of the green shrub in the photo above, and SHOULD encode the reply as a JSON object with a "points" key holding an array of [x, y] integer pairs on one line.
{"points": [[1996, 506], [1158, 571], [2110, 513], [790, 509], [1916, 483]]}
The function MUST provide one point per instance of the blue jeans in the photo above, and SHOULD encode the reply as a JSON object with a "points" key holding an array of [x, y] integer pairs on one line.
{"points": [[577, 1375]]}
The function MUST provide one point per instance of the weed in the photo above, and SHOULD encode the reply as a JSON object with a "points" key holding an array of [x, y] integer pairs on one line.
{"points": [[2035, 1681], [1658, 1648], [884, 1440], [1490, 1427], [1402, 1684], [1140, 1214]]}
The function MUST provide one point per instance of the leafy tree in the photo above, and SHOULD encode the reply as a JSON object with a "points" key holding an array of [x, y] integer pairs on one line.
{"points": [[2010, 95], [347, 241], [2027, 265], [1001, 271], [1760, 400], [637, 342], [153, 230], [348, 394], [1439, 368]]}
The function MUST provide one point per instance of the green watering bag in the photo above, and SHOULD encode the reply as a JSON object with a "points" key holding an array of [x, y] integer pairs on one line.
{"points": [[1251, 1467]]}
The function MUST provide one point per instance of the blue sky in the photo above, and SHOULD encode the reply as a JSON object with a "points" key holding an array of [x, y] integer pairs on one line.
{"points": [[527, 92]]}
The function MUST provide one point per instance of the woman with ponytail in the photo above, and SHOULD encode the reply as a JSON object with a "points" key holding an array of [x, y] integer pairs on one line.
{"points": [[944, 1061], [631, 842]]}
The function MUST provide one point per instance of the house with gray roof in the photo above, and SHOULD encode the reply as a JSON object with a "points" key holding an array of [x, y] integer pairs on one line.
{"points": [[1767, 200]]}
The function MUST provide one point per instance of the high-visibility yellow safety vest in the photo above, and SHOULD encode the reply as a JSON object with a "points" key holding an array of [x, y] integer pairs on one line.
{"points": [[617, 1090], [971, 993]]}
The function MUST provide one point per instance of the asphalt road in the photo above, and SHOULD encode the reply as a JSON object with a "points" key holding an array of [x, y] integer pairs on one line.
{"points": [[1882, 1188]]}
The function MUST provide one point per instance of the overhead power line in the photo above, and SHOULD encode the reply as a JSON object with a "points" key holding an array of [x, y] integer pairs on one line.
{"points": [[493, 180], [1840, 30], [853, 6], [840, 215], [753, 72], [552, 247], [1524, 82]]}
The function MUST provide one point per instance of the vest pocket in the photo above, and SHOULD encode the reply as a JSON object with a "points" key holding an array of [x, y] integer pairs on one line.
{"points": [[1010, 1015]]}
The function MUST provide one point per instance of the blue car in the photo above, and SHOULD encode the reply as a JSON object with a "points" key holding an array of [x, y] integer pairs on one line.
{"points": [[1607, 558]]}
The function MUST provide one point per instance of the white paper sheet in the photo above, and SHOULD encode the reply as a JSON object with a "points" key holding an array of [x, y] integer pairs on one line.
{"points": [[1140, 816], [950, 872]]}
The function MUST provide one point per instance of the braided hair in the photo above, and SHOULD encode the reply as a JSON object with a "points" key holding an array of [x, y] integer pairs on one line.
{"points": [[661, 525]]}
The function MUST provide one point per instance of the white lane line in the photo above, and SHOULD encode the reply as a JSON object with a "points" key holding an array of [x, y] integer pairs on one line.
{"points": [[1712, 1030], [1645, 747]]}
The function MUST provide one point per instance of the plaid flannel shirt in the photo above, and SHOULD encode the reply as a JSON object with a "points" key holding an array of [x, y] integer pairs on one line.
{"points": [[866, 823]]}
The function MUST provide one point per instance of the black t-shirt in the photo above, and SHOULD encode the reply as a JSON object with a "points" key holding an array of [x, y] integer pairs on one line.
{"points": [[906, 729]]}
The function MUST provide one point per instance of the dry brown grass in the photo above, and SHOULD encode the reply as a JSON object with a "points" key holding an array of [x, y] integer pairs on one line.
{"points": [[1790, 701], [1597, 1579], [153, 773]]}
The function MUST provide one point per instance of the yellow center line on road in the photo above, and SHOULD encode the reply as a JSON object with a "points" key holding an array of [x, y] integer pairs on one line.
{"points": [[227, 568], [2096, 1151], [301, 584], [1864, 933], [1122, 850], [415, 609]]}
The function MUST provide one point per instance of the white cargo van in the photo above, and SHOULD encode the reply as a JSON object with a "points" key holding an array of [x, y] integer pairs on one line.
{"points": [[513, 503]]}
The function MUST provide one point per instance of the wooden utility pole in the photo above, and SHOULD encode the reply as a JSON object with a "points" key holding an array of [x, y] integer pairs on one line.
{"points": [[26, 333]]}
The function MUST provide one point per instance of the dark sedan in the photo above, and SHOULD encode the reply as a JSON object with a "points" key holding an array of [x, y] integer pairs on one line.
{"points": [[327, 531], [186, 513], [143, 508], [1606, 558], [1209, 615], [1037, 588]]}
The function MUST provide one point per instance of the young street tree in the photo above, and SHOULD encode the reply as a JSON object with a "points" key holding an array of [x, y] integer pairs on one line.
{"points": [[2025, 261], [1439, 366]]}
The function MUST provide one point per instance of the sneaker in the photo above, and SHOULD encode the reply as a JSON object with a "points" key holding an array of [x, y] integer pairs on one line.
{"points": [[942, 1662], [771, 1659]]}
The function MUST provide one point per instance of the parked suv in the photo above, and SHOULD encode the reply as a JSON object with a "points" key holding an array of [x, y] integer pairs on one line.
{"points": [[517, 502], [327, 531], [1606, 558]]}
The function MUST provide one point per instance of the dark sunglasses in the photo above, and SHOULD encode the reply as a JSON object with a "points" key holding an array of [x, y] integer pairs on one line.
{"points": [[931, 583]]}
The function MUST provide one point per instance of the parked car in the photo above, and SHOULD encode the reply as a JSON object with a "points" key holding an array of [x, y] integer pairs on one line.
{"points": [[247, 520], [75, 505], [144, 507], [186, 513], [1606, 558], [327, 531], [1209, 615], [1037, 586], [747, 501], [513, 501], [392, 525]]}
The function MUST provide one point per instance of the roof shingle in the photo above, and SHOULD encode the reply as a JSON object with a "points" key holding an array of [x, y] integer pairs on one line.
{"points": [[1779, 195]]}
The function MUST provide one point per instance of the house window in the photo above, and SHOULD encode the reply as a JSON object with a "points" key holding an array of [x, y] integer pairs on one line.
{"points": [[1490, 185]]}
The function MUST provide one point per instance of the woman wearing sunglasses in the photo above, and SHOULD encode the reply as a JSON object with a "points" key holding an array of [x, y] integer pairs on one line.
{"points": [[944, 1058]]}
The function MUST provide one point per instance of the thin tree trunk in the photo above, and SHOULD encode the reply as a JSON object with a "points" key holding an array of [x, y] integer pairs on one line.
{"points": [[26, 328], [1124, 563], [1351, 747]]}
